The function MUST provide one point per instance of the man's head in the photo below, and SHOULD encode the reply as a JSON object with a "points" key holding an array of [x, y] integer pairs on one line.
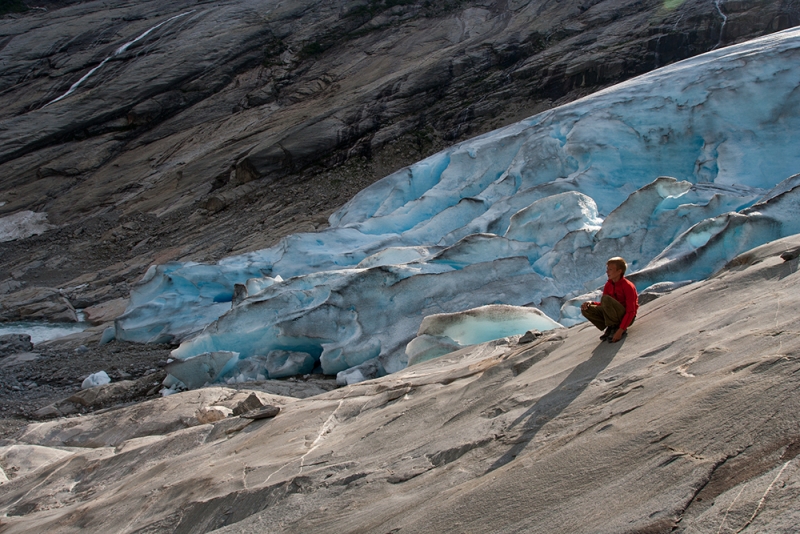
{"points": [[615, 268]]}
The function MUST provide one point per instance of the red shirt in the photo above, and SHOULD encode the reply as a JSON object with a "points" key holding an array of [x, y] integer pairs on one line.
{"points": [[624, 292]]}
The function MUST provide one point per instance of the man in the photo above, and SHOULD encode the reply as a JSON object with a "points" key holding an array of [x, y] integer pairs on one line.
{"points": [[617, 308]]}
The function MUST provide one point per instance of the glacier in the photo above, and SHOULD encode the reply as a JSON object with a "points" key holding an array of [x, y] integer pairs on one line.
{"points": [[678, 171]]}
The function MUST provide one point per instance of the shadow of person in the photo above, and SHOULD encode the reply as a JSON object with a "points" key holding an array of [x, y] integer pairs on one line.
{"points": [[554, 402]]}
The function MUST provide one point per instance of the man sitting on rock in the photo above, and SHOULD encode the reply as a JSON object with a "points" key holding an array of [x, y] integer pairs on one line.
{"points": [[617, 308]]}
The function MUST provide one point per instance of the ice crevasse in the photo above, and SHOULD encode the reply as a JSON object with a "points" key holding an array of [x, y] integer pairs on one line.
{"points": [[677, 171]]}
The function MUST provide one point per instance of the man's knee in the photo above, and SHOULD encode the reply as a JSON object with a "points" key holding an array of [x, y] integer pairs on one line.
{"points": [[608, 300]]}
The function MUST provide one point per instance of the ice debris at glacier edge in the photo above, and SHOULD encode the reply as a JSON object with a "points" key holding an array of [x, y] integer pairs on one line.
{"points": [[677, 170], [442, 333]]}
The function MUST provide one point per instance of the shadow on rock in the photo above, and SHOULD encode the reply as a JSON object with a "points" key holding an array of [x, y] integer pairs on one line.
{"points": [[553, 403]]}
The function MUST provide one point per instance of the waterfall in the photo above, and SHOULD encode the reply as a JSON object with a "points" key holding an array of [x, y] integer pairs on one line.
{"points": [[718, 3], [117, 52]]}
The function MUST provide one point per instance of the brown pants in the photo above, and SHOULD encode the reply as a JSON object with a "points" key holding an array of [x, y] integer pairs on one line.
{"points": [[609, 313]]}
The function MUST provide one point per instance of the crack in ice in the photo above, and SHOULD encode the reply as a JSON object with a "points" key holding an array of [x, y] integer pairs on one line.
{"points": [[117, 52]]}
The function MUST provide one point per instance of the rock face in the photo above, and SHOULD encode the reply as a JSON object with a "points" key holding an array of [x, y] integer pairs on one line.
{"points": [[150, 132], [687, 425]]}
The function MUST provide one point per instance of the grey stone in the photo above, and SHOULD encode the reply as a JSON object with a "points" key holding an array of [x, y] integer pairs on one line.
{"points": [[651, 434], [18, 358], [262, 413], [791, 254], [252, 402], [12, 343], [36, 303], [529, 336]]}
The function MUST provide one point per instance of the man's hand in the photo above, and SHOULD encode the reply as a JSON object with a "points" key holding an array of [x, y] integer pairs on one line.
{"points": [[617, 336], [585, 305]]}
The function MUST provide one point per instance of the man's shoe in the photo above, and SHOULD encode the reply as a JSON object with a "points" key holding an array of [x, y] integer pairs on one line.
{"points": [[611, 335], [608, 333]]}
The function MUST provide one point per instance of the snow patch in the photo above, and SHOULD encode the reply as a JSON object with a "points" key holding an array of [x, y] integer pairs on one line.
{"points": [[23, 224]]}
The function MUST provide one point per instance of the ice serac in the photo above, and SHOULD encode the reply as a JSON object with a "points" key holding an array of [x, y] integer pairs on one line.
{"points": [[677, 171]]}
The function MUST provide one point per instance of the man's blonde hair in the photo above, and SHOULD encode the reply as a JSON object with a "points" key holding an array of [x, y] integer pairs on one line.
{"points": [[619, 263]]}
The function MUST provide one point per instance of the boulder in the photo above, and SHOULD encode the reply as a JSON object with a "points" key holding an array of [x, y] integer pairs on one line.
{"points": [[36, 303], [14, 343], [212, 414], [106, 312], [252, 402]]}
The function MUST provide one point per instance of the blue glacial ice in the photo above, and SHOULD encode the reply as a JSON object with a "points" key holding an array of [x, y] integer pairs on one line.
{"points": [[442, 333], [677, 171]]}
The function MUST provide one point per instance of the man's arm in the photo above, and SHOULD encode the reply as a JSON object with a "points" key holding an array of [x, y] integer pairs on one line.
{"points": [[606, 291], [630, 311]]}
